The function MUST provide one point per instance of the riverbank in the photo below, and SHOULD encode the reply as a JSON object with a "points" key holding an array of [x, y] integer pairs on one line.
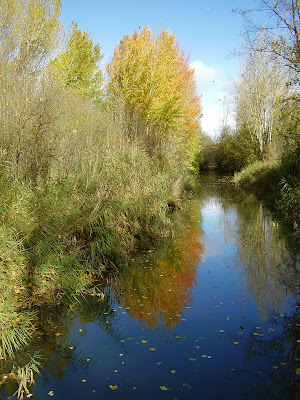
{"points": [[278, 184], [59, 237]]}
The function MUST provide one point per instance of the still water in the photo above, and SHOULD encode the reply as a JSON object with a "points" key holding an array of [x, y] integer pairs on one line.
{"points": [[213, 313]]}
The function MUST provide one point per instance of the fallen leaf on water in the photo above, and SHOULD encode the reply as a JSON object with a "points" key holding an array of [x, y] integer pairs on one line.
{"points": [[134, 388], [51, 393], [58, 334], [192, 359], [283, 363], [144, 341], [158, 363], [122, 341], [164, 388], [83, 380], [152, 349], [121, 354], [113, 387], [275, 367], [235, 342], [88, 359], [173, 371]]}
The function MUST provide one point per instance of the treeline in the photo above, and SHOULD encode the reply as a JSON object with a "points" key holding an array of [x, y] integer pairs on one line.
{"points": [[265, 142], [90, 160]]}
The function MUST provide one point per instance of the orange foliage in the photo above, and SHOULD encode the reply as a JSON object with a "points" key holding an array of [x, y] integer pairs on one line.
{"points": [[161, 289]]}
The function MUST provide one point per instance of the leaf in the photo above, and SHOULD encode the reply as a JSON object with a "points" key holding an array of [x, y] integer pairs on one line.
{"points": [[58, 334], [113, 387], [144, 341], [152, 349], [193, 359], [298, 371], [164, 388], [83, 380], [51, 393], [173, 371]]}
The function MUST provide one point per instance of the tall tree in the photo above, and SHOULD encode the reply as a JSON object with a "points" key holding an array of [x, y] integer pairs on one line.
{"points": [[151, 79], [258, 95], [282, 31], [29, 30], [78, 65]]}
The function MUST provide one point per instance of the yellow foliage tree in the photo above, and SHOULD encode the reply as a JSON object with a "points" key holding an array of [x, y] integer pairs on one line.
{"points": [[151, 79]]}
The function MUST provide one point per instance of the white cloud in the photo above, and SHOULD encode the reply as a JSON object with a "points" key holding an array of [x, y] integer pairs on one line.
{"points": [[205, 75], [210, 84]]}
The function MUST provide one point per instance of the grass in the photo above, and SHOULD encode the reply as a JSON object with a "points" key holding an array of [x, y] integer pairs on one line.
{"points": [[278, 183]]}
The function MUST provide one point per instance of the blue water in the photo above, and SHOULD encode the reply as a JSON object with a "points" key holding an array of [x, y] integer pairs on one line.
{"points": [[212, 313]]}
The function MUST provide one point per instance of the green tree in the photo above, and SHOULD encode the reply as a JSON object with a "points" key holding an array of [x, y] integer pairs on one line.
{"points": [[77, 66]]}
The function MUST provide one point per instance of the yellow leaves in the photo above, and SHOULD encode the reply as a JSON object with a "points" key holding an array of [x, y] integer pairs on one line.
{"points": [[113, 387], [51, 393], [173, 371], [57, 334], [152, 349], [164, 388], [83, 380], [144, 341]]}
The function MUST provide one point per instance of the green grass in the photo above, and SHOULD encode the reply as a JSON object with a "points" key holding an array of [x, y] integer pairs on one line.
{"points": [[278, 183]]}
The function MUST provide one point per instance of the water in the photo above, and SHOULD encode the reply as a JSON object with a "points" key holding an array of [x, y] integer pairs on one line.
{"points": [[213, 313]]}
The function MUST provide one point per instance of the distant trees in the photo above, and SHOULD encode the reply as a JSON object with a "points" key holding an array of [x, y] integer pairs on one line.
{"points": [[266, 95]]}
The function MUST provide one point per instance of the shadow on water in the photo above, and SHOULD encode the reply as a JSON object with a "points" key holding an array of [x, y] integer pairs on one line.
{"points": [[212, 312]]}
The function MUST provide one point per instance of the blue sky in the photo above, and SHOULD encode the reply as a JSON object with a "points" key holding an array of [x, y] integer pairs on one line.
{"points": [[207, 30]]}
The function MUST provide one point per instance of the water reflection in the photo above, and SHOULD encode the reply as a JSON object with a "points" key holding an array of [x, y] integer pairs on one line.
{"points": [[269, 272], [155, 288], [225, 236]]}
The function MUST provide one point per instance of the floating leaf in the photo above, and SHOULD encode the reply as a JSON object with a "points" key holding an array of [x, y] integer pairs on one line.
{"points": [[164, 388], [58, 334], [275, 367], [51, 393], [192, 359], [113, 387], [235, 342], [173, 371], [152, 349], [83, 380], [158, 363], [144, 341]]}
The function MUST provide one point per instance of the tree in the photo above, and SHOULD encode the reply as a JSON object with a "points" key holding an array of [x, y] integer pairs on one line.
{"points": [[154, 91], [78, 65], [282, 33], [29, 30], [258, 94]]}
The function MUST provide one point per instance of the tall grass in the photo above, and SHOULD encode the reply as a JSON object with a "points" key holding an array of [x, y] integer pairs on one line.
{"points": [[278, 183]]}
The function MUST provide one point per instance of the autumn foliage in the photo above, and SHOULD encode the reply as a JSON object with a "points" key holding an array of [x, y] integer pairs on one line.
{"points": [[153, 88]]}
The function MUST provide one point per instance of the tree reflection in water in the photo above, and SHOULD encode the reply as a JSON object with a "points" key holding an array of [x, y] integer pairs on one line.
{"points": [[156, 292]]}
